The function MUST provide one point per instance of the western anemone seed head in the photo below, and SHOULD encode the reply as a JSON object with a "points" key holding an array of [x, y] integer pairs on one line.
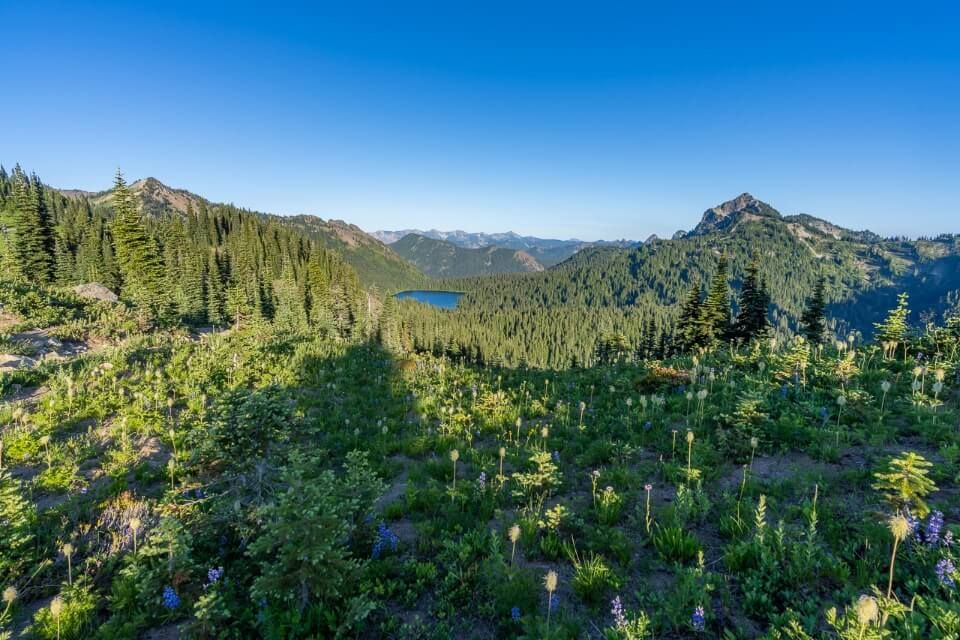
{"points": [[915, 386], [702, 394], [454, 455], [135, 523], [629, 402], [939, 374], [754, 442], [583, 405], [648, 487], [44, 441], [519, 422], [67, 549], [550, 581], [689, 437], [867, 610], [899, 527], [689, 395], [841, 400], [885, 386], [917, 371], [9, 595], [544, 432], [937, 386], [56, 606], [514, 533], [503, 452]]}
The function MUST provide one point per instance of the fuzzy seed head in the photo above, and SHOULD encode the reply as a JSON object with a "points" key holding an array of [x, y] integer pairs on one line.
{"points": [[503, 452], [867, 610], [514, 533], [690, 437], [56, 606], [899, 527], [9, 595], [68, 549], [135, 523], [885, 386], [550, 581], [454, 455]]}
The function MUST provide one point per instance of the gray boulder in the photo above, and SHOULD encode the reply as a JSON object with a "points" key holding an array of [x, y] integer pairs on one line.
{"points": [[95, 291]]}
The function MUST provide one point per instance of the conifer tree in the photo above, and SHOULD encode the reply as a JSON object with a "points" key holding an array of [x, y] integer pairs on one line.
{"points": [[214, 290], [688, 323], [290, 312], [137, 255], [754, 302], [714, 321], [813, 320], [895, 327], [31, 247]]}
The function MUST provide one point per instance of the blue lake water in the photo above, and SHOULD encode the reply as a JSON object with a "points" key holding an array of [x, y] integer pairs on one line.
{"points": [[442, 299]]}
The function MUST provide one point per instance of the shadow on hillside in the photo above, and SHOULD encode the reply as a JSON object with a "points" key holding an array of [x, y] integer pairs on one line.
{"points": [[929, 292]]}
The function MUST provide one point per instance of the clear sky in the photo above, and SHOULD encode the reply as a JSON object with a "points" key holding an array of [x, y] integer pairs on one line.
{"points": [[558, 119]]}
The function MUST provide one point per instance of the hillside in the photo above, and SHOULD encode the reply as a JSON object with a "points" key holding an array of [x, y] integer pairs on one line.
{"points": [[441, 259], [553, 318], [221, 483], [375, 263], [546, 251]]}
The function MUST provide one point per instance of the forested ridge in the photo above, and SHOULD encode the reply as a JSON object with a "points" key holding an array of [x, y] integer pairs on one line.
{"points": [[556, 317], [443, 259], [215, 265]]}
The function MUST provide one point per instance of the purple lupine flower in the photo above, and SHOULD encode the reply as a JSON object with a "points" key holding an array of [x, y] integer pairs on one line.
{"points": [[945, 570], [931, 534], [647, 425], [616, 608], [515, 614], [914, 523], [213, 576], [385, 540], [556, 456], [824, 414], [698, 620], [784, 391], [482, 481], [170, 598], [948, 539]]}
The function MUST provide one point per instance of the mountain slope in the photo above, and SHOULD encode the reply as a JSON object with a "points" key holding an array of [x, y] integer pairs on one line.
{"points": [[441, 259], [375, 263], [555, 317], [546, 251]]}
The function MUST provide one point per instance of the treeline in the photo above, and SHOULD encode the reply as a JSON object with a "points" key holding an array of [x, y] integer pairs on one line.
{"points": [[212, 266]]}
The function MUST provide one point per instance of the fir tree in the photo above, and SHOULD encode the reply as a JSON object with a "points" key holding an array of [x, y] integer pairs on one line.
{"points": [[32, 247], [813, 320], [688, 323], [216, 298], [895, 328], [137, 255], [754, 302], [714, 321]]}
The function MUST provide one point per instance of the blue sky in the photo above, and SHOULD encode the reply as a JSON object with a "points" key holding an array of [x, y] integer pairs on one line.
{"points": [[558, 119]]}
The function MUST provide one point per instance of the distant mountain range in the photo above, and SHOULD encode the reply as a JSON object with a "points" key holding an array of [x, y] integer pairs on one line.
{"points": [[864, 271], [375, 263], [546, 251], [443, 259]]}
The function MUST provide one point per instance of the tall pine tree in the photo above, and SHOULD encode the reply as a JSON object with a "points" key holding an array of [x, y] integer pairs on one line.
{"points": [[754, 302], [137, 255], [714, 321], [813, 320]]}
